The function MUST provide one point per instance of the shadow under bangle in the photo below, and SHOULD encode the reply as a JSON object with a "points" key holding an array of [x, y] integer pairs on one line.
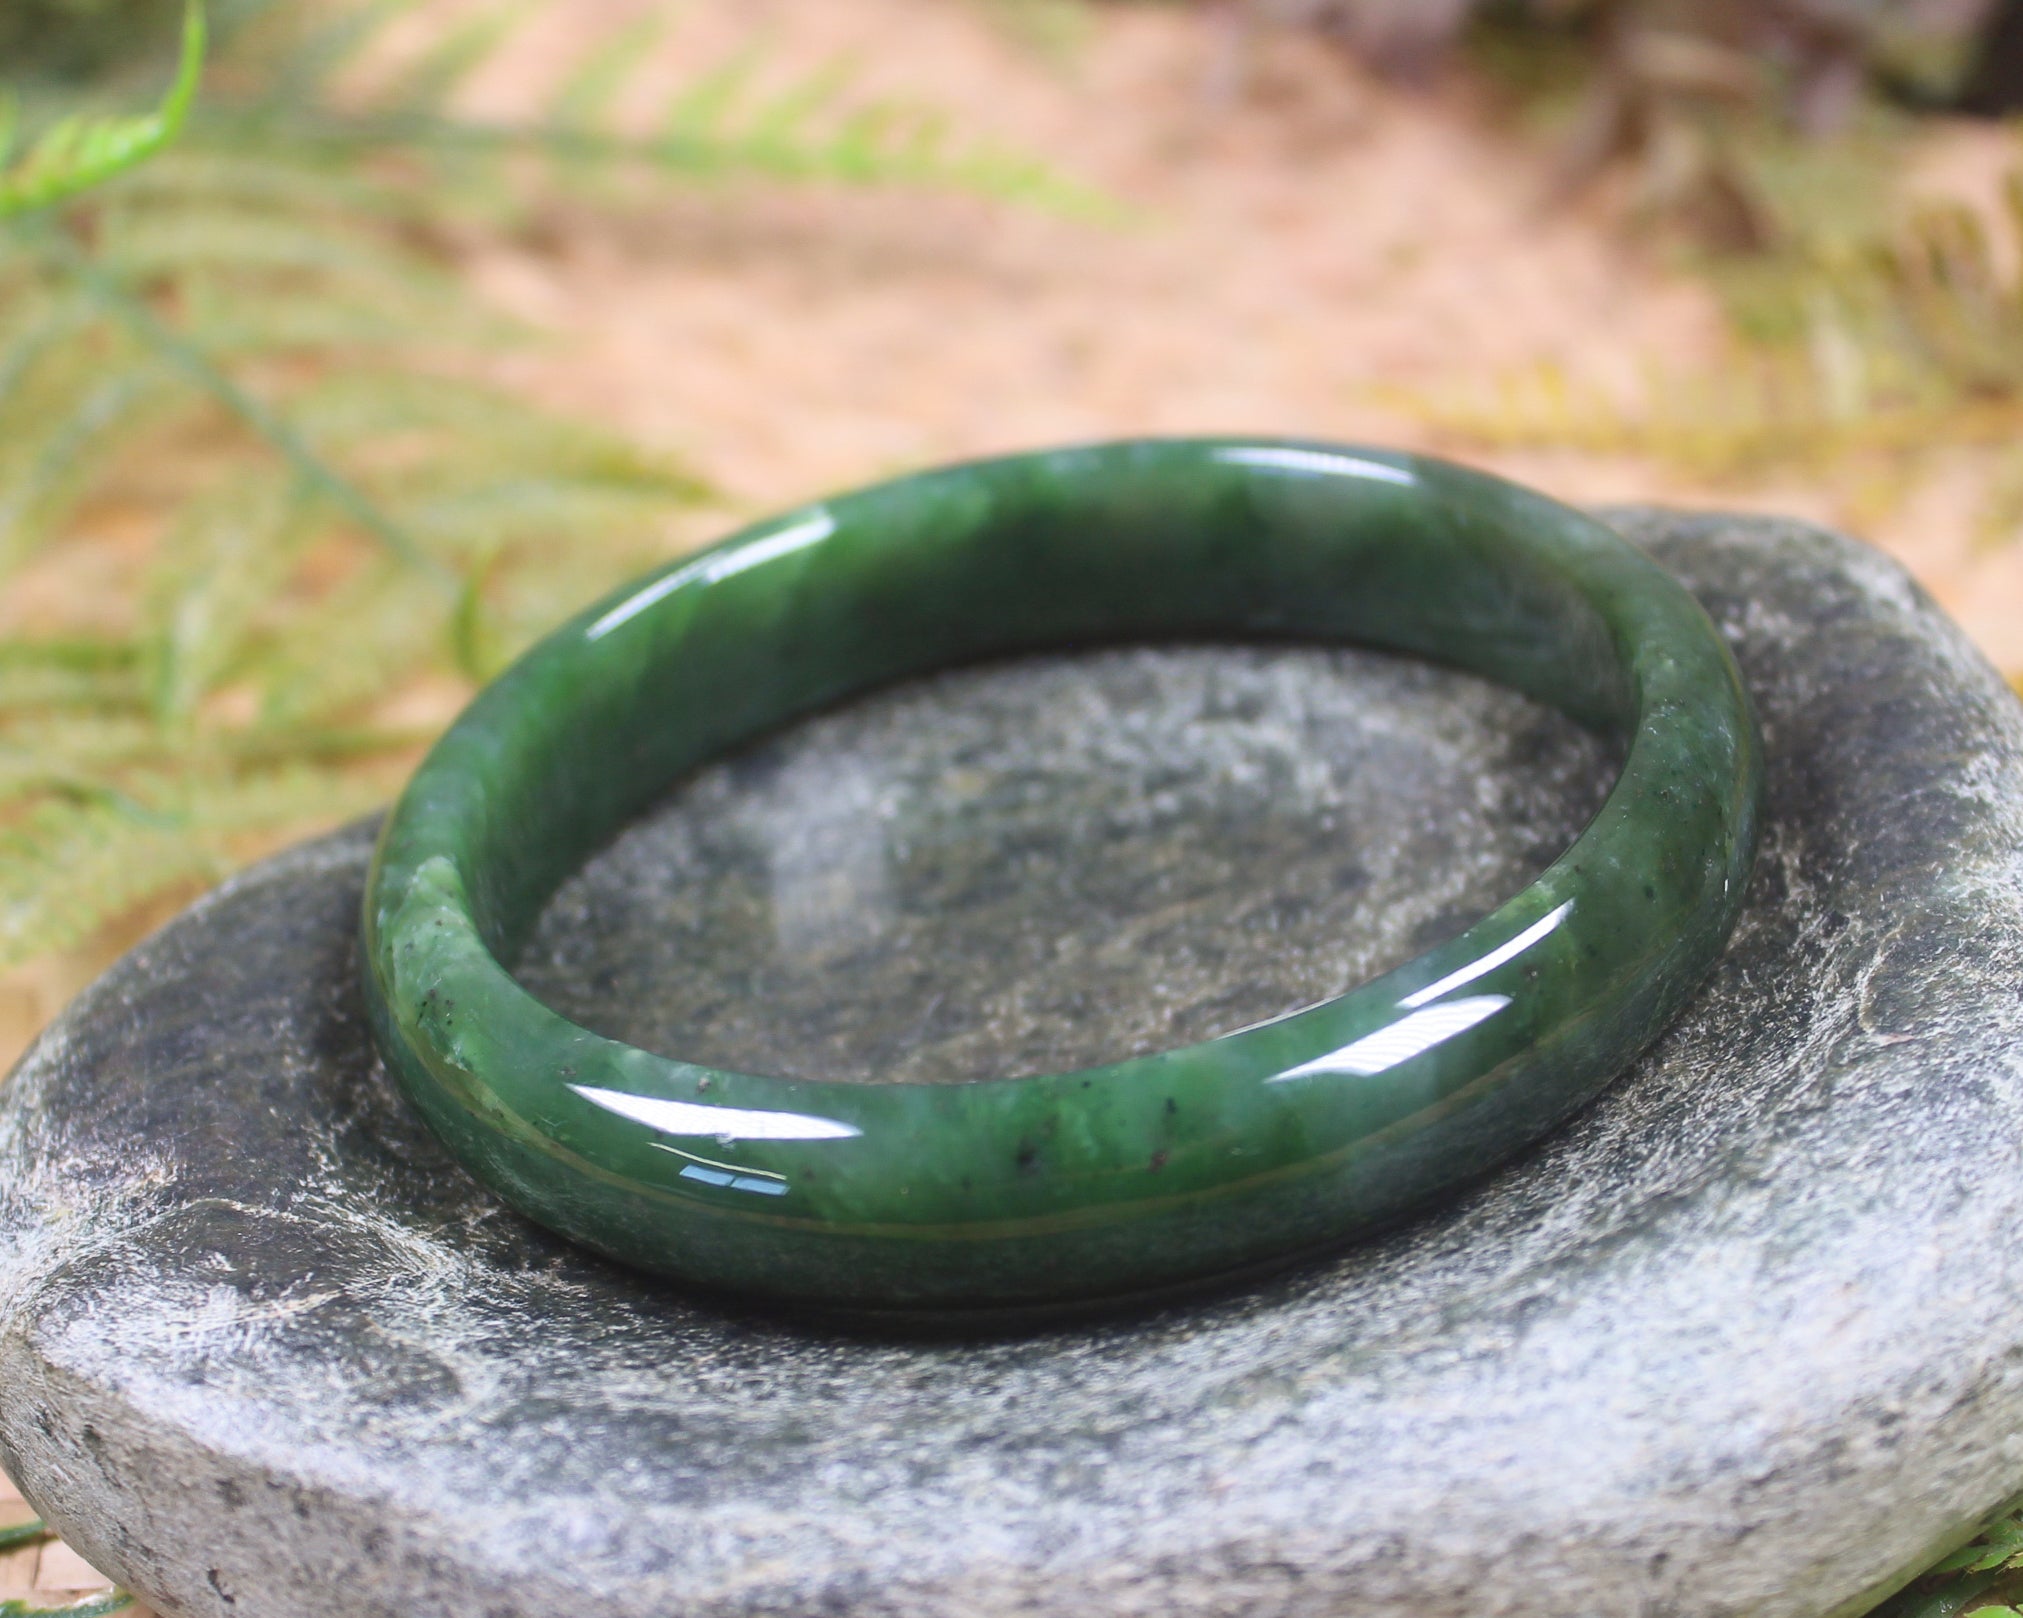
{"points": [[1108, 1181]]}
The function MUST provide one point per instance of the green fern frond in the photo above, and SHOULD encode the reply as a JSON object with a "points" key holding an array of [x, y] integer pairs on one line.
{"points": [[1890, 354], [252, 342], [347, 409], [811, 131], [523, 599], [75, 860], [468, 470], [80, 757], [427, 85], [175, 352], [477, 521], [73, 674], [587, 97], [149, 245], [366, 637], [202, 174], [1862, 362], [339, 320], [320, 747], [228, 555], [45, 471], [721, 124], [260, 802], [315, 47], [95, 849], [78, 153]]}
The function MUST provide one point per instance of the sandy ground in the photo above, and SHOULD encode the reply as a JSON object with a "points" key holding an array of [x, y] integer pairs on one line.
{"points": [[1287, 256]]}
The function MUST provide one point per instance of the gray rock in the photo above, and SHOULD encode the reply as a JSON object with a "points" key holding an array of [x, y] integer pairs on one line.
{"points": [[1070, 862], [1746, 1338]]}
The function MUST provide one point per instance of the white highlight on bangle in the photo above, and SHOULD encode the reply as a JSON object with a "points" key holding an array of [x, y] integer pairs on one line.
{"points": [[724, 1123], [810, 530], [1408, 1037], [1320, 461], [1490, 962]]}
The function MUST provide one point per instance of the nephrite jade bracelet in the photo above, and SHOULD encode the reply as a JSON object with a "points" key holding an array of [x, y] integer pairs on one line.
{"points": [[1134, 1177]]}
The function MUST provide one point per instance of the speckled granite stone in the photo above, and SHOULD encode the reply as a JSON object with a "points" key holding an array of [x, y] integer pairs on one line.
{"points": [[1747, 1338]]}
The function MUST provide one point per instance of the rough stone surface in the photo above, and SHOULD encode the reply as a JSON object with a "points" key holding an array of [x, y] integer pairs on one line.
{"points": [[1077, 860], [1746, 1338]]}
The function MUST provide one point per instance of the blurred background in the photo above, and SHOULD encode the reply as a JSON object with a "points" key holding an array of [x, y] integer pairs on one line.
{"points": [[441, 317]]}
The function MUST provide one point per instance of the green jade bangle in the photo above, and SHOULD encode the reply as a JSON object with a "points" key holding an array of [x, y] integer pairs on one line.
{"points": [[1135, 1177]]}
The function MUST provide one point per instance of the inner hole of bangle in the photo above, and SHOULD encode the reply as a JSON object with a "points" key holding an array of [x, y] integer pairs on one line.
{"points": [[1056, 861]]}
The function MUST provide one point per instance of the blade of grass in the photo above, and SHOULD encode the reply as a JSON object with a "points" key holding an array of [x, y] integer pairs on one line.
{"points": [[78, 153]]}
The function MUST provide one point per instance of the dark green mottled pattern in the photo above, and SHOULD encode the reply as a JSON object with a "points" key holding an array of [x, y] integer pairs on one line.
{"points": [[1162, 1169]]}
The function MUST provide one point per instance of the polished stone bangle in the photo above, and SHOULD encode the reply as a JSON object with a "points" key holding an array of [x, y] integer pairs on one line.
{"points": [[1107, 1182]]}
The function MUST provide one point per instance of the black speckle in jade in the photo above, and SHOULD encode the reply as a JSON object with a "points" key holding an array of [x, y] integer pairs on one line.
{"points": [[1019, 1191]]}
